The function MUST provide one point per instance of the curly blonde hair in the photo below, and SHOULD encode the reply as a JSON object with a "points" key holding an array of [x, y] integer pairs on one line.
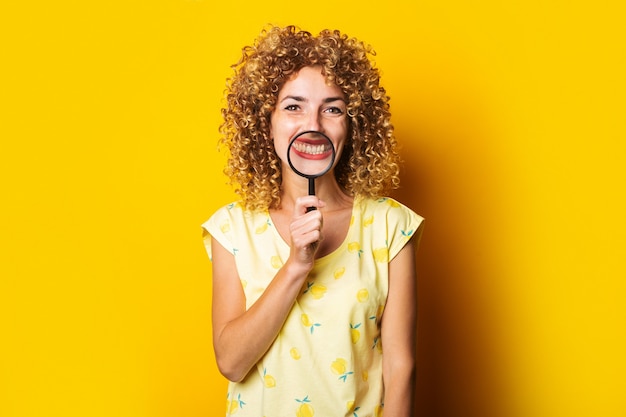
{"points": [[369, 164]]}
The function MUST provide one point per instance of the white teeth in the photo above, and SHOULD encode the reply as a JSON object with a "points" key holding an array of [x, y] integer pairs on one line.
{"points": [[310, 149]]}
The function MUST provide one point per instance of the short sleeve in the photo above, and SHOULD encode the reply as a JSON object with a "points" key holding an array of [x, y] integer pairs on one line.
{"points": [[219, 227], [403, 225]]}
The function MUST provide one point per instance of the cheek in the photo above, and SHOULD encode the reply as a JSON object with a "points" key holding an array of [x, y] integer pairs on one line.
{"points": [[280, 143], [278, 127], [345, 140], [342, 135], [281, 131]]}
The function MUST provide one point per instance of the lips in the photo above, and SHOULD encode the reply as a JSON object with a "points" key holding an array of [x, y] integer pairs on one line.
{"points": [[312, 149]]}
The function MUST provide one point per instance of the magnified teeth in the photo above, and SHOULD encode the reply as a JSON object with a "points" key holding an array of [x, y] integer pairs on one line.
{"points": [[311, 149]]}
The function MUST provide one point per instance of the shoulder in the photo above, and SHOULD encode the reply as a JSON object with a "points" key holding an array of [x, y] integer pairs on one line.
{"points": [[231, 215], [230, 224], [221, 216], [392, 210], [233, 218], [392, 221]]}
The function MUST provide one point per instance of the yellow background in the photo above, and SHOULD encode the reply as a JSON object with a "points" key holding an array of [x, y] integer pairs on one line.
{"points": [[511, 116]]}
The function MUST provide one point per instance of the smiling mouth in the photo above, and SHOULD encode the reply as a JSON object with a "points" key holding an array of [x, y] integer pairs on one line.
{"points": [[313, 149]]}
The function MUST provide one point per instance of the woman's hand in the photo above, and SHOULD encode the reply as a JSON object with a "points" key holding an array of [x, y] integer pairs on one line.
{"points": [[305, 231]]}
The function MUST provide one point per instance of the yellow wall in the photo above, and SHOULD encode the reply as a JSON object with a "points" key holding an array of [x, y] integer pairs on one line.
{"points": [[512, 120]]}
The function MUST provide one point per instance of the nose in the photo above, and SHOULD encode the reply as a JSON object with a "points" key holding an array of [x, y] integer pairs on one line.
{"points": [[314, 122]]}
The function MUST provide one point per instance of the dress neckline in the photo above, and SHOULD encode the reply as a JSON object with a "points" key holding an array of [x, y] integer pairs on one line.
{"points": [[331, 254]]}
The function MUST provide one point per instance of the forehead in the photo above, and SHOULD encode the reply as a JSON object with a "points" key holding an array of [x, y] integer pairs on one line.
{"points": [[309, 81]]}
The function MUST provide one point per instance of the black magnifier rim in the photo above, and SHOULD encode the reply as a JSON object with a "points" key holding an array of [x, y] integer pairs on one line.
{"points": [[332, 156]]}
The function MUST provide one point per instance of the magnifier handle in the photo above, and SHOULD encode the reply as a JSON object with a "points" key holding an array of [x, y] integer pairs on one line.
{"points": [[311, 192]]}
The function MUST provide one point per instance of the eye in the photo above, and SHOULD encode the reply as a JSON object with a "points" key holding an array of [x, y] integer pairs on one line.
{"points": [[291, 107], [334, 110]]}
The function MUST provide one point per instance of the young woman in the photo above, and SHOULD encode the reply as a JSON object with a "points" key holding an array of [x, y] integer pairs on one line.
{"points": [[314, 311]]}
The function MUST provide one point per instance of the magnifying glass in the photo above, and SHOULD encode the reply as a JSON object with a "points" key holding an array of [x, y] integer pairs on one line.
{"points": [[311, 154]]}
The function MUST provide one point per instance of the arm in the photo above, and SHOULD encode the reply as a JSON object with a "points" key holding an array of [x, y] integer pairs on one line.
{"points": [[399, 335], [241, 337]]}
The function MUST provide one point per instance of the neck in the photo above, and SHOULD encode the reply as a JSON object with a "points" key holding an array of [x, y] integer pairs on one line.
{"points": [[326, 188]]}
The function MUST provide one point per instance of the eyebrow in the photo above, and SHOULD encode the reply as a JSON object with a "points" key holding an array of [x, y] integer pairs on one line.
{"points": [[303, 99]]}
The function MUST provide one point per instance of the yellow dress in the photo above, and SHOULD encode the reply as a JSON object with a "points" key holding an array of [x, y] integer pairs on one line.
{"points": [[327, 359]]}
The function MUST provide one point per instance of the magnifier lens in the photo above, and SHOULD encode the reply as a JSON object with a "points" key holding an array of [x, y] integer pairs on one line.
{"points": [[311, 154]]}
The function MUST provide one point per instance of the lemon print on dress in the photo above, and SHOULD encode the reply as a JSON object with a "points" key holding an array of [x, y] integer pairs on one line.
{"points": [[306, 322], [355, 333], [225, 226], [339, 367], [295, 353], [276, 262], [305, 409], [268, 380], [350, 407], [381, 255], [378, 411], [317, 291], [377, 345], [339, 272], [379, 313], [232, 406], [362, 295], [262, 228], [389, 201], [355, 247], [365, 375], [407, 233], [368, 221]]}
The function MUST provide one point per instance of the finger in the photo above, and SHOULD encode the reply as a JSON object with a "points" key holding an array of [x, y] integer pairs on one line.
{"points": [[302, 241], [307, 222], [303, 203]]}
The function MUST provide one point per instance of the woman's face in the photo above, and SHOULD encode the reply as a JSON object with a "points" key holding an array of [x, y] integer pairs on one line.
{"points": [[307, 102]]}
